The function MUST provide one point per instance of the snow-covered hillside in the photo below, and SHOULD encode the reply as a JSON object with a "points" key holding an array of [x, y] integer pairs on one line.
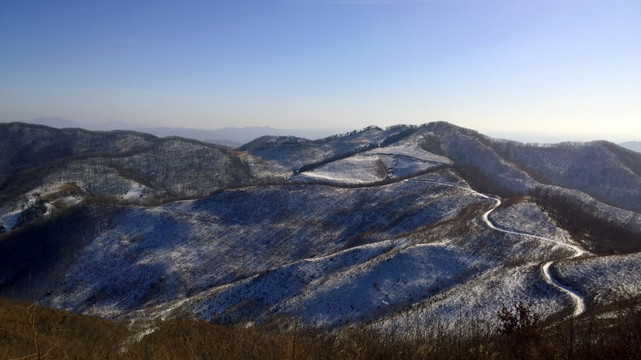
{"points": [[376, 165], [398, 248], [602, 170], [105, 165], [187, 246], [603, 279], [435, 223], [288, 154]]}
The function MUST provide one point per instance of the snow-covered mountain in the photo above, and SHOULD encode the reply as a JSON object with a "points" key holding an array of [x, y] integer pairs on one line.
{"points": [[114, 164], [433, 222]]}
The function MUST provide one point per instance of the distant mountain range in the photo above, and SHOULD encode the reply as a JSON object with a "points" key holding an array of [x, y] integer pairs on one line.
{"points": [[230, 136], [386, 227], [235, 136], [632, 145]]}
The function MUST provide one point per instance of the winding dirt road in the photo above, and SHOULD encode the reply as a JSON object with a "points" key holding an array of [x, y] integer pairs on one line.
{"points": [[577, 299]]}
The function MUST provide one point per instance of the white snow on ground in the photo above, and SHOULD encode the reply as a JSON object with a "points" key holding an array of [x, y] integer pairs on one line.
{"points": [[275, 290], [69, 200], [10, 219], [329, 255], [55, 197], [407, 158], [354, 170], [164, 254], [388, 283], [428, 246], [529, 218], [473, 305], [602, 279], [135, 192], [250, 254], [375, 165], [50, 208], [579, 301], [380, 286], [291, 154]]}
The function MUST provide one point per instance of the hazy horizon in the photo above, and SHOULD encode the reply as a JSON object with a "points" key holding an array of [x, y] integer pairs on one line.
{"points": [[566, 69], [319, 132]]}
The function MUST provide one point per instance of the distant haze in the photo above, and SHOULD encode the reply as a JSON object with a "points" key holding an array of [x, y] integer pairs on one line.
{"points": [[229, 136], [236, 136], [632, 145]]}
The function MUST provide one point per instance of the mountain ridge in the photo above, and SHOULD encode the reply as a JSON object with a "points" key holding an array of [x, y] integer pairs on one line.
{"points": [[368, 226], [227, 136], [237, 136]]}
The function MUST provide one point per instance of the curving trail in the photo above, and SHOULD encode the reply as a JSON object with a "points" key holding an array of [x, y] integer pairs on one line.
{"points": [[497, 202], [579, 301]]}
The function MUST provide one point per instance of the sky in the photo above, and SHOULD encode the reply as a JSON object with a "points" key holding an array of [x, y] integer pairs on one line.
{"points": [[564, 68]]}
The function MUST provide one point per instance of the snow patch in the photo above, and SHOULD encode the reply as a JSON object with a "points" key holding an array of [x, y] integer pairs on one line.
{"points": [[10, 219], [135, 192], [393, 162]]}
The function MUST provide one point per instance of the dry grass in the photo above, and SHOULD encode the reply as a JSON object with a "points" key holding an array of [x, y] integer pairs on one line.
{"points": [[27, 330]]}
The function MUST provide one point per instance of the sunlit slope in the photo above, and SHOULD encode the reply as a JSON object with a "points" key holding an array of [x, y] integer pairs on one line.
{"points": [[149, 255], [325, 254], [432, 221]]}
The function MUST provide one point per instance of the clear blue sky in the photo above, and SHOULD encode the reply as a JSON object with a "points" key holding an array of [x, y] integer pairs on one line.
{"points": [[559, 66]]}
